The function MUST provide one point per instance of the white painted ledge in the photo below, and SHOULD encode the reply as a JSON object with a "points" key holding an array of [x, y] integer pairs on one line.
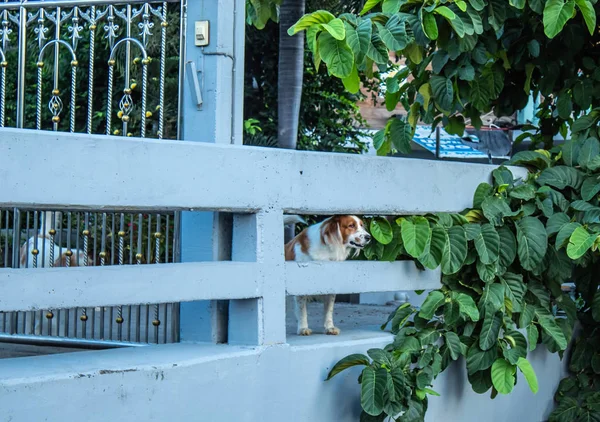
{"points": [[57, 288], [202, 176], [314, 278]]}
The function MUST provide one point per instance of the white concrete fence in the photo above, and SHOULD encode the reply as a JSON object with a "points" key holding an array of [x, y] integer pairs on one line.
{"points": [[259, 185], [261, 374]]}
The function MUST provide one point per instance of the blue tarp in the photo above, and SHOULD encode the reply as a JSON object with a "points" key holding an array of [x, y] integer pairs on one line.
{"points": [[451, 146]]}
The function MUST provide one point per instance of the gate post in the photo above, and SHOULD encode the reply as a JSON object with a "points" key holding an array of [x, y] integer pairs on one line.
{"points": [[216, 72]]}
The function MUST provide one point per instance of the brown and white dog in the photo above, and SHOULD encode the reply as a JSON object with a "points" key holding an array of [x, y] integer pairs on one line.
{"points": [[333, 239]]}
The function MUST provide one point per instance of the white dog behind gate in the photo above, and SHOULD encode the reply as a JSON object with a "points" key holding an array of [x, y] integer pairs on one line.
{"points": [[333, 239], [40, 244]]}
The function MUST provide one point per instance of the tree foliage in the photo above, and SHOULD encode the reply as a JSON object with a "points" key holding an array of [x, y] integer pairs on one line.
{"points": [[330, 120], [466, 58]]}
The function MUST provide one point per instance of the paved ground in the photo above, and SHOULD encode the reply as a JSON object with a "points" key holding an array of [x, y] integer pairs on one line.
{"points": [[346, 317], [8, 350]]}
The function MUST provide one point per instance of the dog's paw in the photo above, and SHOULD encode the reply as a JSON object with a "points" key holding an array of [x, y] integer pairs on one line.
{"points": [[304, 331], [332, 331]]}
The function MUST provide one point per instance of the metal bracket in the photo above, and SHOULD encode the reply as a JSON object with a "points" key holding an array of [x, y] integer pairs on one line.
{"points": [[194, 83]]}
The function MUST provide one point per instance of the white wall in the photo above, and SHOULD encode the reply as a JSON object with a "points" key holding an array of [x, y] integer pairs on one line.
{"points": [[193, 382]]}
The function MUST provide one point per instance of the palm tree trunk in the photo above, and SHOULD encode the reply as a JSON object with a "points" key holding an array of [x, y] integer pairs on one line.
{"points": [[289, 82], [290, 70]]}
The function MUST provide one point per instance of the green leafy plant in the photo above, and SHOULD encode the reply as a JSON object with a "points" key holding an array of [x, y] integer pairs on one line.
{"points": [[578, 396], [504, 262], [496, 303]]}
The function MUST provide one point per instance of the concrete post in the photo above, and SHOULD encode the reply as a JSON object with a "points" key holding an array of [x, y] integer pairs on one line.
{"points": [[218, 67]]}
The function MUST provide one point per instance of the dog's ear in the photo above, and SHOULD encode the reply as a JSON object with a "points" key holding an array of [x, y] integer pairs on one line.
{"points": [[331, 231]]}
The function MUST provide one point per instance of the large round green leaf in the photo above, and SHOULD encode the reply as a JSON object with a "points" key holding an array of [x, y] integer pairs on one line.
{"points": [[589, 14], [336, 28], [590, 149], [466, 305], [495, 208], [381, 230], [556, 222], [433, 257], [550, 327], [443, 92], [527, 370], [374, 383], [394, 34], [451, 313], [336, 54], [570, 149], [347, 362], [523, 192], [487, 244], [508, 246], [560, 177], [503, 376], [556, 15], [481, 93], [377, 50], [579, 243], [369, 4], [532, 337], [514, 289], [492, 299], [490, 330], [481, 381], [532, 242], [590, 188], [564, 234], [566, 411], [401, 134], [424, 377], [532, 158], [391, 6], [455, 250], [416, 234], [306, 21], [483, 191], [432, 302], [453, 344], [497, 13], [429, 25], [479, 360], [518, 346]]}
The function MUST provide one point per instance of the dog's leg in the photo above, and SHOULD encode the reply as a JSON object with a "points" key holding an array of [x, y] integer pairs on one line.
{"points": [[302, 316], [328, 302]]}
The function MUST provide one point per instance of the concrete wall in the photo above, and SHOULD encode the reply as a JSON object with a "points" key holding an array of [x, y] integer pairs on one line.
{"points": [[194, 382]]}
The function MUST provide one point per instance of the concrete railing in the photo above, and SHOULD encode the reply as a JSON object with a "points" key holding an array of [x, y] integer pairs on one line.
{"points": [[76, 171]]}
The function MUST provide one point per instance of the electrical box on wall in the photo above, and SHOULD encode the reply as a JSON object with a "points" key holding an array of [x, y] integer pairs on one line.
{"points": [[201, 33]]}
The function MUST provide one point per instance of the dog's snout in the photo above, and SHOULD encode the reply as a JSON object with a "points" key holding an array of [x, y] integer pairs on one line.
{"points": [[368, 237]]}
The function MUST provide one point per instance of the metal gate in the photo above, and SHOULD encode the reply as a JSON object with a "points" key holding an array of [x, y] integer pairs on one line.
{"points": [[97, 67]]}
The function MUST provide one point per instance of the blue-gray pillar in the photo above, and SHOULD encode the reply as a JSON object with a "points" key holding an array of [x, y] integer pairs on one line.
{"points": [[218, 68]]}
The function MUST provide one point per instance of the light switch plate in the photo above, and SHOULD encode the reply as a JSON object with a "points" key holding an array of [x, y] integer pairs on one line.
{"points": [[201, 33]]}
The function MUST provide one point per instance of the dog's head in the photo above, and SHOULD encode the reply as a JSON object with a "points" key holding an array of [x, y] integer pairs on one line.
{"points": [[345, 230]]}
